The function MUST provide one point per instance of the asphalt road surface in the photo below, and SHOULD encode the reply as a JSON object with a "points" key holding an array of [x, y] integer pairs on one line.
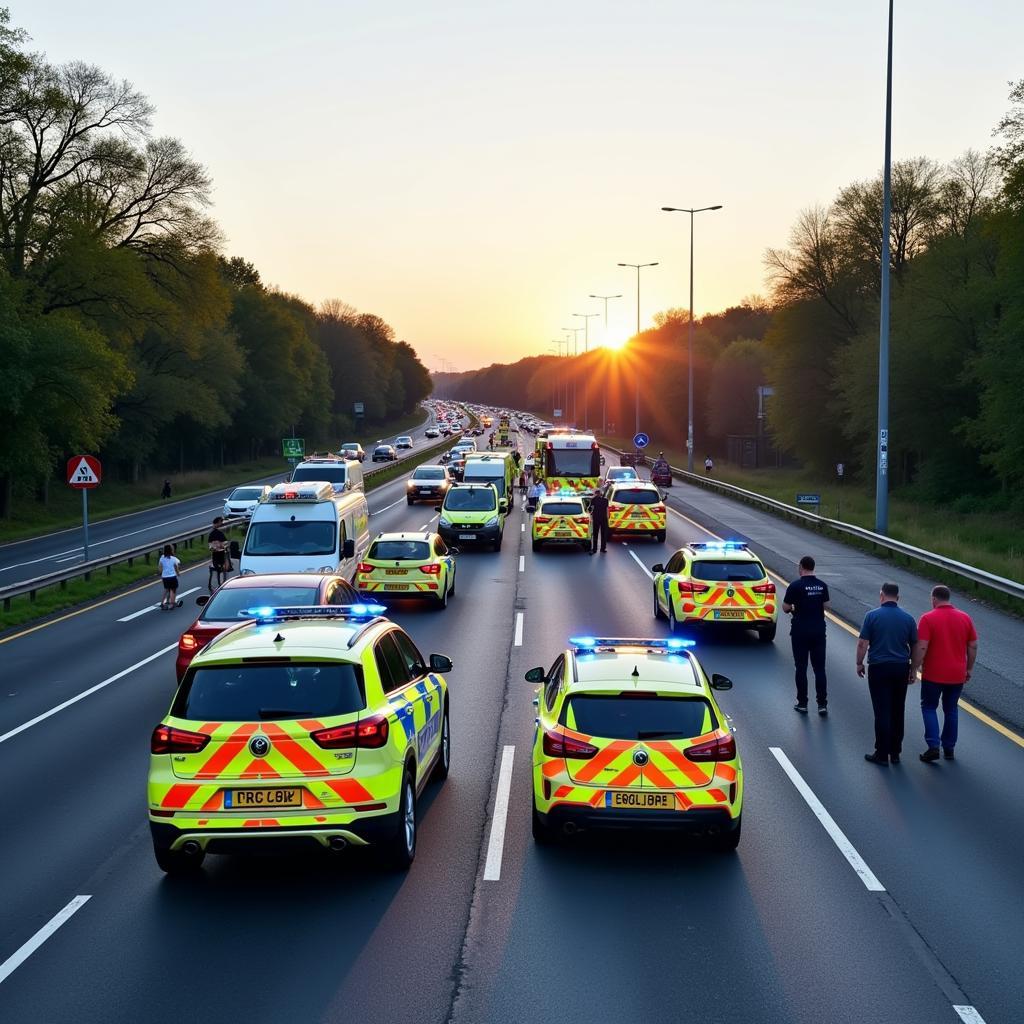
{"points": [[858, 893]]}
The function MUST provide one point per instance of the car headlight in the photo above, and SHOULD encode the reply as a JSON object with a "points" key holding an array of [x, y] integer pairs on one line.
{"points": [[493, 521], [443, 522], [409, 483]]}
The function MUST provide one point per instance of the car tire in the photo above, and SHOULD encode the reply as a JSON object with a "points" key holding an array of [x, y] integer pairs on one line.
{"points": [[673, 624], [535, 545], [400, 850], [174, 862], [497, 543], [767, 636], [444, 754], [409, 501], [730, 840], [451, 589], [659, 537], [658, 613], [543, 833]]}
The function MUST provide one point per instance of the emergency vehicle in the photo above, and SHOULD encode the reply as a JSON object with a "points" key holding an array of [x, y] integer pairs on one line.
{"points": [[561, 519], [637, 508], [569, 461]]}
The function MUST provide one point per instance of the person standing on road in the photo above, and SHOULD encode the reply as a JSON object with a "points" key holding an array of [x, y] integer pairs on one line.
{"points": [[807, 599], [599, 521], [218, 544], [169, 565], [947, 644], [887, 636]]}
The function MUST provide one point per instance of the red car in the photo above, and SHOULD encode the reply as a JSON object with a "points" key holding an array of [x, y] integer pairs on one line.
{"points": [[661, 474], [224, 607]]}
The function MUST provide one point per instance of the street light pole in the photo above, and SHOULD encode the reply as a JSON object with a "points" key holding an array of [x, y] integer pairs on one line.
{"points": [[604, 390], [882, 458], [638, 267], [689, 360], [574, 331], [586, 348]]}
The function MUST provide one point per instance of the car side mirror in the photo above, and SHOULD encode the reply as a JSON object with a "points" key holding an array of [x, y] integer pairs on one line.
{"points": [[348, 549], [454, 551], [437, 508], [440, 663], [535, 675], [202, 599], [503, 505], [664, 495], [720, 682], [657, 567]]}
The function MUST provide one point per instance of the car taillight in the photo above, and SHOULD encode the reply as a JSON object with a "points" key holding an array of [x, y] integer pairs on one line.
{"points": [[723, 748], [764, 588], [692, 588], [658, 508], [557, 744], [168, 740], [542, 519], [364, 567], [431, 570], [367, 732], [187, 642]]}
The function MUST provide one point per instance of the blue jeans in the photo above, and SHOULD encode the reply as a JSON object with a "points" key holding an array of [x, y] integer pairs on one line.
{"points": [[931, 694]]}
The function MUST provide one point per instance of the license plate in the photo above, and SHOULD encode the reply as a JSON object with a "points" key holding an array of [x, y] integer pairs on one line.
{"points": [[637, 515], [467, 536], [425, 490], [395, 586], [239, 798], [562, 533], [395, 572], [729, 613], [644, 799]]}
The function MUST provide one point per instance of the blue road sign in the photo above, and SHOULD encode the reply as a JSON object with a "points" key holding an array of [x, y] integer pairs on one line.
{"points": [[641, 440]]}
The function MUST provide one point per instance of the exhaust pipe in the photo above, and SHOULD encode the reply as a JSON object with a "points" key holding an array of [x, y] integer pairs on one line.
{"points": [[570, 828], [191, 848], [337, 843]]}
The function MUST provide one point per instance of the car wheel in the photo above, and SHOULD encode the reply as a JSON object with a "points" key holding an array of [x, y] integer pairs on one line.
{"points": [[401, 850], [497, 543], [444, 754], [658, 613], [409, 501], [543, 833], [767, 636], [659, 537], [451, 589], [729, 840], [535, 545], [673, 625], [175, 862], [442, 599]]}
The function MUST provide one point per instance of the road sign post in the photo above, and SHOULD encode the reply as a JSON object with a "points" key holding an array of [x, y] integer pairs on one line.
{"points": [[84, 473], [293, 447]]}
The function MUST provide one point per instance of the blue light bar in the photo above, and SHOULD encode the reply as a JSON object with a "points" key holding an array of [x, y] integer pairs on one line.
{"points": [[590, 643], [718, 545], [314, 611]]}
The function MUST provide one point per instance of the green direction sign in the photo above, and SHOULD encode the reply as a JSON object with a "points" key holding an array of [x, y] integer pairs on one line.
{"points": [[293, 447]]}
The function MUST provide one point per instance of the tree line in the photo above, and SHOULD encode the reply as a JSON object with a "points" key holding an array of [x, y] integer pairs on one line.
{"points": [[957, 338], [124, 329]]}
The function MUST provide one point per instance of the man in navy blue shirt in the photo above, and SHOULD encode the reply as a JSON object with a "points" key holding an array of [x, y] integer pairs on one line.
{"points": [[887, 638], [807, 600]]}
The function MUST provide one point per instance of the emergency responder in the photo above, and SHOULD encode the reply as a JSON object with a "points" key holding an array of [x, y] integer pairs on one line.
{"points": [[599, 520]]}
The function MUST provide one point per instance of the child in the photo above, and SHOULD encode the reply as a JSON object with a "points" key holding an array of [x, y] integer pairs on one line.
{"points": [[169, 564]]}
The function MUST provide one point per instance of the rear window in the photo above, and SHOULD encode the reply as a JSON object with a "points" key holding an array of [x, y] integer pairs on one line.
{"points": [[333, 474], [636, 496], [269, 692], [638, 718], [724, 571], [302, 537], [400, 550], [229, 602], [383, 449], [428, 474], [562, 508]]}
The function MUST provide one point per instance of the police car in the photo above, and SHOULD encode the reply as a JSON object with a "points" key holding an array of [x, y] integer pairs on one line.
{"points": [[716, 583], [310, 726], [561, 519], [636, 508], [629, 735], [415, 564]]}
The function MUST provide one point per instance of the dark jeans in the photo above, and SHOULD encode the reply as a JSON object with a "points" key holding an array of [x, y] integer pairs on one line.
{"points": [[949, 694], [888, 685], [812, 646], [600, 526]]}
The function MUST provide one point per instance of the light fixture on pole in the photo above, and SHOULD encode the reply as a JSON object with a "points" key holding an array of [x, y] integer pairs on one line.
{"points": [[604, 390], [574, 331], [586, 348], [638, 267], [689, 357]]}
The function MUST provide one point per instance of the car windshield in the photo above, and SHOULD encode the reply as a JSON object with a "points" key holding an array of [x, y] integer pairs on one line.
{"points": [[470, 499], [331, 472], [400, 550], [636, 496], [574, 462], [245, 494], [724, 571], [630, 717], [428, 473], [562, 508], [269, 692], [302, 537], [230, 602]]}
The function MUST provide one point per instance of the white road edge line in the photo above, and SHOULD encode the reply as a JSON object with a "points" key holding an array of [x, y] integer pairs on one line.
{"points": [[496, 844], [153, 607], [16, 959], [517, 640], [386, 507], [969, 1015], [846, 848], [522, 563], [650, 575], [85, 693]]}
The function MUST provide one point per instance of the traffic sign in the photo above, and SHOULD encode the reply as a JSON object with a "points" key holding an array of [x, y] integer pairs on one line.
{"points": [[641, 440], [808, 499], [293, 447], [84, 472]]}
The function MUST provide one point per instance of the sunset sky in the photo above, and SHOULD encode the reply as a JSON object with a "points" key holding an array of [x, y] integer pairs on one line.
{"points": [[471, 171]]}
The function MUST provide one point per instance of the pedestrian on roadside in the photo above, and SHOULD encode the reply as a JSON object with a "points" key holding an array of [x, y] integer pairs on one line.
{"points": [[217, 542], [807, 599], [887, 636], [169, 565], [599, 521], [165, 491], [947, 644], [708, 465]]}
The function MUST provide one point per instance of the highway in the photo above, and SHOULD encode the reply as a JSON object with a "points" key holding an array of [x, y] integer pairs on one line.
{"points": [[857, 893], [36, 556]]}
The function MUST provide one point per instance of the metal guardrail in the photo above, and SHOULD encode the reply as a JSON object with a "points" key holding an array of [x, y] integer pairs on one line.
{"points": [[146, 551], [931, 558]]}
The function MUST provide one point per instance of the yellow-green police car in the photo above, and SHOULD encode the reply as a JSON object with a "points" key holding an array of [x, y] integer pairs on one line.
{"points": [[416, 565], [472, 514], [720, 583], [629, 736], [561, 519], [314, 727]]}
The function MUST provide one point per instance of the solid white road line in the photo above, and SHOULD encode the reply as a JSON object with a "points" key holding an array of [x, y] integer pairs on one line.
{"points": [[15, 960], [846, 848], [386, 507], [85, 693], [496, 844], [650, 575], [518, 639], [522, 563], [153, 607], [969, 1015]]}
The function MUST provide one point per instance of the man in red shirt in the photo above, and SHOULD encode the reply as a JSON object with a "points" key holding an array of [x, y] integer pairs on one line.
{"points": [[947, 645]]}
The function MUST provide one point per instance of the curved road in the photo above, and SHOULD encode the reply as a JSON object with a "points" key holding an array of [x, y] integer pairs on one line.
{"points": [[785, 930]]}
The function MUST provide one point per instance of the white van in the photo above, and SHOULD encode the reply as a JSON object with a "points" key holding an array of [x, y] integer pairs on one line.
{"points": [[342, 474], [307, 527]]}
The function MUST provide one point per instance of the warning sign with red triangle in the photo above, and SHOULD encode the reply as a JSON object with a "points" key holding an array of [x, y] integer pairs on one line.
{"points": [[84, 472]]}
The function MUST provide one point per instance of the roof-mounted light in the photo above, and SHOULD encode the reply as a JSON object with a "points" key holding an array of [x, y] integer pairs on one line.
{"points": [[611, 643], [314, 611]]}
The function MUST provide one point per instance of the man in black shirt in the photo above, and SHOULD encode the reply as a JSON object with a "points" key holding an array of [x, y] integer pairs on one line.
{"points": [[807, 600], [218, 544], [599, 521]]}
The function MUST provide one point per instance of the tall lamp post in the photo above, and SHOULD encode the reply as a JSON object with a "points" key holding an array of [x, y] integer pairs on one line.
{"points": [[604, 390], [574, 331], [586, 348], [638, 267], [689, 358]]}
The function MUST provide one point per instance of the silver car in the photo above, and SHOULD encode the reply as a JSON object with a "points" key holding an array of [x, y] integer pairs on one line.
{"points": [[243, 500]]}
